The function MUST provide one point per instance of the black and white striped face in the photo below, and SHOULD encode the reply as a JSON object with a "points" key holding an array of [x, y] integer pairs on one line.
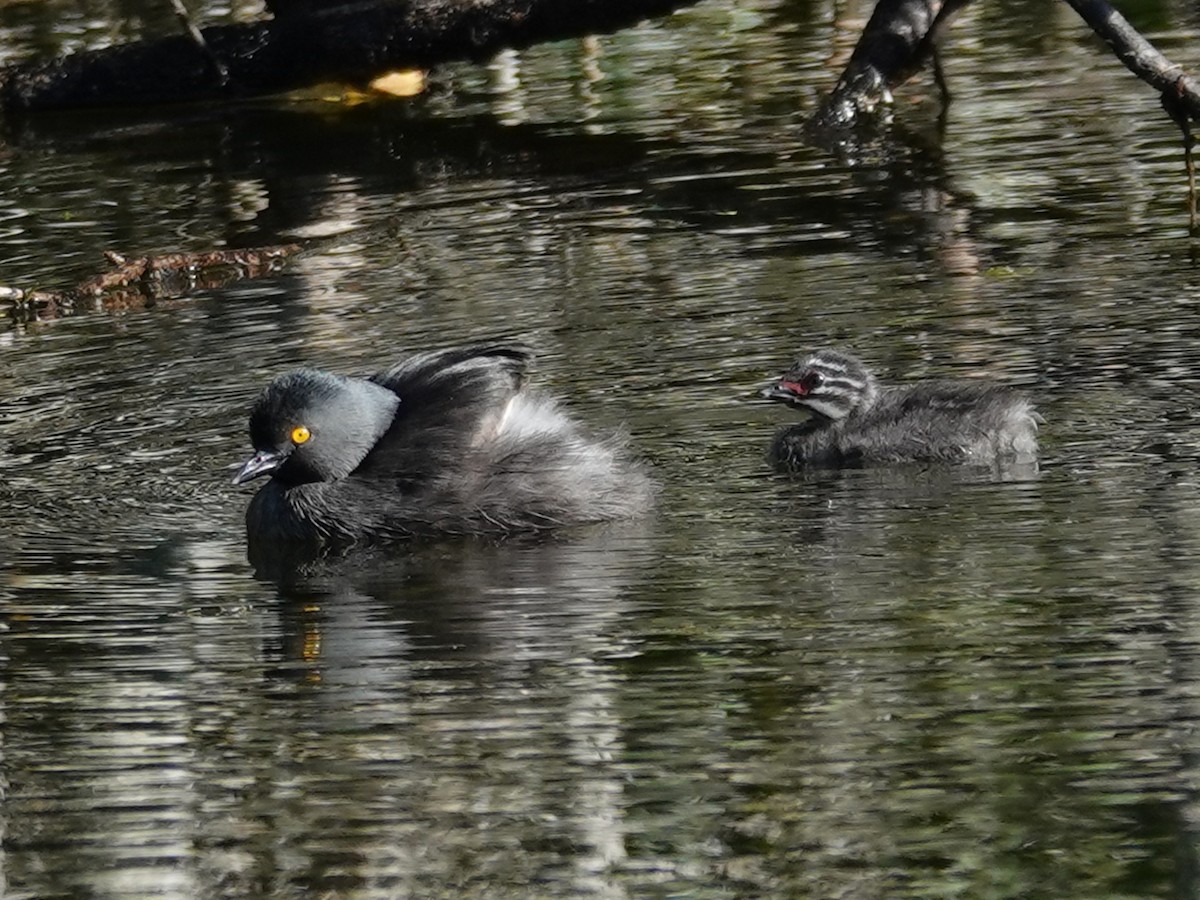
{"points": [[829, 383]]}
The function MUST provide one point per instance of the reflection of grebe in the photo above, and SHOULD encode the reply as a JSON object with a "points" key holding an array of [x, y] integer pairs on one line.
{"points": [[856, 421], [446, 442]]}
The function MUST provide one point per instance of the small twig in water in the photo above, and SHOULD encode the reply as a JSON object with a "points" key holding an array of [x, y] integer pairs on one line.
{"points": [[193, 32], [1172, 101]]}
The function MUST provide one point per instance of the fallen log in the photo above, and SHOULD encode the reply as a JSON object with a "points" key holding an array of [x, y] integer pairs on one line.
{"points": [[351, 44]]}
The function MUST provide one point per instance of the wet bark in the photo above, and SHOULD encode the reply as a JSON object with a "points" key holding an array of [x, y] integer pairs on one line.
{"points": [[903, 35], [1180, 91], [351, 44], [900, 37], [141, 281]]}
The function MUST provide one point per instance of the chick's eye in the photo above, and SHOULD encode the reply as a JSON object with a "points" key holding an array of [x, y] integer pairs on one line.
{"points": [[300, 434], [811, 381]]}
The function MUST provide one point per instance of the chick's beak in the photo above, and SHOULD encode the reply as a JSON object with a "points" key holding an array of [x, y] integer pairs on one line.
{"points": [[782, 392], [262, 462]]}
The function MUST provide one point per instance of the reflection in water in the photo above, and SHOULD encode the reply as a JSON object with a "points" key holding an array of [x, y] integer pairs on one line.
{"points": [[498, 658], [433, 704]]}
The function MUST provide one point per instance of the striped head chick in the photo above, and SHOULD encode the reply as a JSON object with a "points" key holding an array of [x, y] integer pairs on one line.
{"points": [[829, 383]]}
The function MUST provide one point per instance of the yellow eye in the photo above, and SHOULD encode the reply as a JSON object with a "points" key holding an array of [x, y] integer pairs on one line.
{"points": [[300, 434]]}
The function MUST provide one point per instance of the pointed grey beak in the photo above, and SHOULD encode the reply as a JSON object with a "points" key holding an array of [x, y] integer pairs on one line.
{"points": [[780, 394], [261, 463]]}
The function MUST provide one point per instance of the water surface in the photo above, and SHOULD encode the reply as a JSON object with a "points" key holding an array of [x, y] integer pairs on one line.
{"points": [[872, 683]]}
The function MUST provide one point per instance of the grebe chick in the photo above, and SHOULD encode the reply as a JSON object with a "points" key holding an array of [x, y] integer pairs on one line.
{"points": [[855, 421]]}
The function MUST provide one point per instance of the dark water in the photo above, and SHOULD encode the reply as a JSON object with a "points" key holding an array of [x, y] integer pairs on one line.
{"points": [[873, 684]]}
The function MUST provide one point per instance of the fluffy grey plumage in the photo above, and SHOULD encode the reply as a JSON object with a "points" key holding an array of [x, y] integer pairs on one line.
{"points": [[856, 421], [446, 442]]}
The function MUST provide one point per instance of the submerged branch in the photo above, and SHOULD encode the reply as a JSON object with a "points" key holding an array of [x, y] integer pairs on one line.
{"points": [[899, 38], [142, 281]]}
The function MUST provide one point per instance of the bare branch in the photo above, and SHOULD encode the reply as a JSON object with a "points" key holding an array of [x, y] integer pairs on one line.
{"points": [[1140, 57]]}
